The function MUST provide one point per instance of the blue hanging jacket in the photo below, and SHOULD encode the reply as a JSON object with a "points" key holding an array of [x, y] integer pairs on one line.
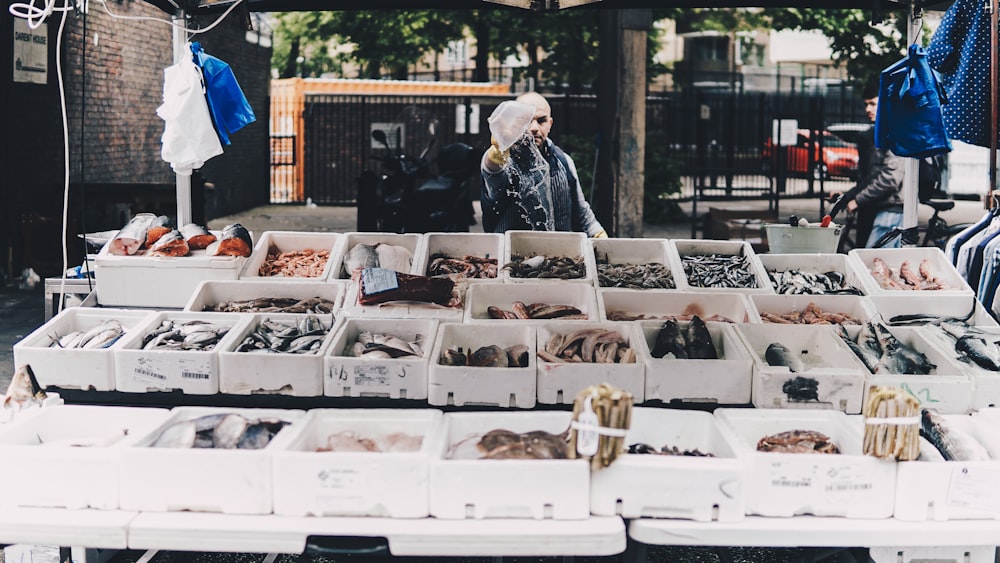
{"points": [[909, 121], [229, 107]]}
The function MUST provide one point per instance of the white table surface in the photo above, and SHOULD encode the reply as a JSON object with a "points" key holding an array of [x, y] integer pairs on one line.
{"points": [[810, 531], [595, 536], [106, 529]]}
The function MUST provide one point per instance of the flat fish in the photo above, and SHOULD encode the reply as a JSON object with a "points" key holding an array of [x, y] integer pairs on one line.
{"points": [[132, 236], [197, 236], [777, 354], [699, 341], [158, 227], [170, 244], [360, 256], [235, 241], [670, 341]]}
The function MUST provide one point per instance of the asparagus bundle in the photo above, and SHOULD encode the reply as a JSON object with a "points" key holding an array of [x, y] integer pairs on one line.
{"points": [[892, 424], [601, 414]]}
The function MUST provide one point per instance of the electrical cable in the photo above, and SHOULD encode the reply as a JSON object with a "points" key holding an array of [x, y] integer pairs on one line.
{"points": [[36, 16], [65, 128]]}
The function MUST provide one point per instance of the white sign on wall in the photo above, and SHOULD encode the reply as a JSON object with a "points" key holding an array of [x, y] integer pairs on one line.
{"points": [[786, 131], [31, 52], [473, 119]]}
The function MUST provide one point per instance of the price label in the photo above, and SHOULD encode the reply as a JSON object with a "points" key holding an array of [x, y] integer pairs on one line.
{"points": [[377, 280], [845, 484], [793, 476], [151, 371], [974, 487], [195, 369], [371, 376]]}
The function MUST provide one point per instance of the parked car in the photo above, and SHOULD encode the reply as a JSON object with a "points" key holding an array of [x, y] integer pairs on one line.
{"points": [[968, 172], [850, 132], [836, 157]]}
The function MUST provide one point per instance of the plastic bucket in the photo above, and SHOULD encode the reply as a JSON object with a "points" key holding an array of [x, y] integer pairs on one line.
{"points": [[786, 239], [509, 121]]}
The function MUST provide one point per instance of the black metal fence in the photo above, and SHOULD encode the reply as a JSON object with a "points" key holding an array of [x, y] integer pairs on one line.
{"points": [[716, 138]]}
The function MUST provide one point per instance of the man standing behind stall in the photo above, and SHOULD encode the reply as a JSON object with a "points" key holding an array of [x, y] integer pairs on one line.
{"points": [[534, 184]]}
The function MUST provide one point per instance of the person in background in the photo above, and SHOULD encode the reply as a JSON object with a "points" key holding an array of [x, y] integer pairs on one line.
{"points": [[534, 184], [877, 197]]}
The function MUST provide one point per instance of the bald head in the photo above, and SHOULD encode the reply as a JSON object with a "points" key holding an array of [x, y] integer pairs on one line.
{"points": [[542, 123]]}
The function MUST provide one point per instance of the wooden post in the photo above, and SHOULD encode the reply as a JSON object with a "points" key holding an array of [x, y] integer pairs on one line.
{"points": [[622, 101]]}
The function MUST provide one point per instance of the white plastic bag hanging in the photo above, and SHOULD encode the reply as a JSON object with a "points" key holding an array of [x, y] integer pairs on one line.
{"points": [[189, 137]]}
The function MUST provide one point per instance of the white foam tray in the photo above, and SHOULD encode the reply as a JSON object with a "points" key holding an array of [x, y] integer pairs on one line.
{"points": [[891, 305], [985, 383], [559, 383], [308, 482], [947, 388], [690, 247], [893, 257], [839, 375], [859, 308], [405, 309], [532, 488], [639, 251], [411, 241], [550, 244], [934, 489], [165, 282], [68, 456], [250, 373], [491, 386], [73, 368], [725, 380], [652, 304], [659, 486], [289, 241], [396, 378], [457, 245], [190, 371], [211, 293], [816, 263], [202, 479], [849, 484], [480, 297]]}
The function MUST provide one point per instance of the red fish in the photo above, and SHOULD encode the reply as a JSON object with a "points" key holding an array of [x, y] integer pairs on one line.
{"points": [[171, 244], [197, 236]]}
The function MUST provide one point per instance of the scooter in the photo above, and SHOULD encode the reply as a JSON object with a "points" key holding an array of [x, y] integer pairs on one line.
{"points": [[409, 197]]}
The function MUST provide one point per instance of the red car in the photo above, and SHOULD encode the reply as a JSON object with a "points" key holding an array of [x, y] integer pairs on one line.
{"points": [[837, 157]]}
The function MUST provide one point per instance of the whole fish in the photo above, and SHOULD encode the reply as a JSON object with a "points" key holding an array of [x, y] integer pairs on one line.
{"points": [[699, 341], [360, 256], [670, 341], [159, 226], [170, 244], [973, 346], [953, 443], [132, 236], [235, 241], [777, 354], [23, 390], [864, 353], [197, 236], [897, 357]]}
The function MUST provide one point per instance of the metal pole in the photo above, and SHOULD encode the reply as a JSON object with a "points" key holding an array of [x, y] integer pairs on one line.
{"points": [[183, 181], [910, 170], [991, 200]]}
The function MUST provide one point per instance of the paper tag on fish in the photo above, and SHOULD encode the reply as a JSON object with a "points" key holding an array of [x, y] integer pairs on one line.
{"points": [[586, 433], [974, 487], [377, 280]]}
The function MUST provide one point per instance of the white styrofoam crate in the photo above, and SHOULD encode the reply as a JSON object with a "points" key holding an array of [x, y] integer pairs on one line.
{"points": [[694, 247], [164, 282], [934, 489], [725, 380], [849, 484], [856, 307], [457, 245], [279, 373], [494, 386], [838, 375], [289, 241], [480, 297], [397, 378], [311, 480], [550, 244], [624, 304], [211, 294], [511, 488], [75, 368], [409, 241], [815, 264], [985, 383], [933, 554], [673, 486], [194, 372], [68, 456], [640, 251], [407, 309], [959, 306], [941, 267], [232, 481], [559, 383], [948, 389]]}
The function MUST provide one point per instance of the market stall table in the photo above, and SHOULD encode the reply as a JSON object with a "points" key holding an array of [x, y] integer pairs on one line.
{"points": [[106, 529]]}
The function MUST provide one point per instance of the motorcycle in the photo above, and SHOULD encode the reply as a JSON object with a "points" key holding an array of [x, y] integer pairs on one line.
{"points": [[418, 194]]}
